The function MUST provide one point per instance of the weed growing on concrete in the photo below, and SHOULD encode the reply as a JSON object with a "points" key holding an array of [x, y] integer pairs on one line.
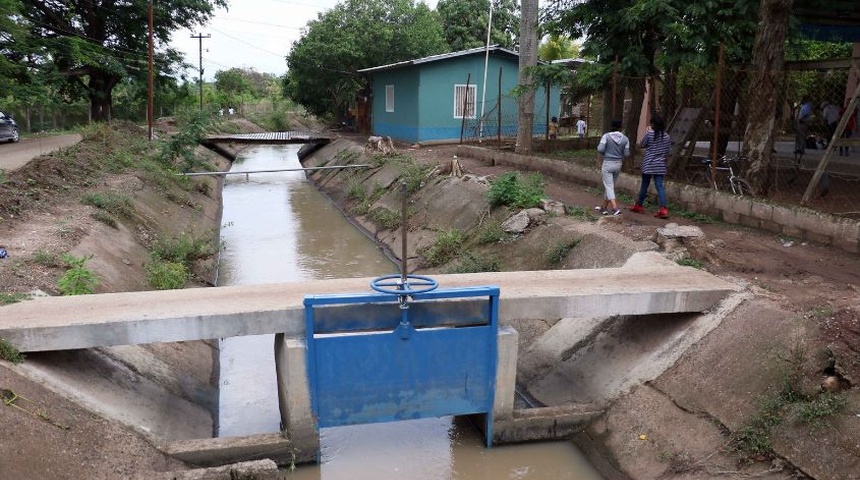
{"points": [[558, 251], [754, 439], [490, 233], [184, 249], [470, 263], [355, 190], [444, 248], [690, 262], [166, 275], [105, 218], [78, 280], [111, 202], [3, 177], [411, 173], [509, 189], [9, 353], [10, 298], [677, 211], [385, 218]]}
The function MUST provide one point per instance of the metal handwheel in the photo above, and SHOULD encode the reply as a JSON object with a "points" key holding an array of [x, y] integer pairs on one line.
{"points": [[397, 284]]}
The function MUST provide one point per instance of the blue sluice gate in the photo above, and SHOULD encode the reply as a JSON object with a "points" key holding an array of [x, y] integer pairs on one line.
{"points": [[379, 357]]}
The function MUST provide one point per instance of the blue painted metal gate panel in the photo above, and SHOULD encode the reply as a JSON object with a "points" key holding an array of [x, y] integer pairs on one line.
{"points": [[359, 376]]}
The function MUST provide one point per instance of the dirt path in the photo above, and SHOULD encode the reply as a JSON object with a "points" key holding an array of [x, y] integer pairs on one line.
{"points": [[15, 155]]}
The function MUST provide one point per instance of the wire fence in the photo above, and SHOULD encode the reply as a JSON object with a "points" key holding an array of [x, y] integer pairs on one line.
{"points": [[712, 114]]}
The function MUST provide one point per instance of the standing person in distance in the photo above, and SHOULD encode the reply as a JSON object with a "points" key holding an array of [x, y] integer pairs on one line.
{"points": [[614, 146], [804, 114], [580, 127], [657, 145], [553, 128]]}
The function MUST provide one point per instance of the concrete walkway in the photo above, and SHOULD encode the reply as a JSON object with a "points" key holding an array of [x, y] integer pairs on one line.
{"points": [[646, 284]]}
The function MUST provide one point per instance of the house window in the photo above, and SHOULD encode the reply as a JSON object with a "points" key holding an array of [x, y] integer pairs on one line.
{"points": [[464, 101], [389, 98]]}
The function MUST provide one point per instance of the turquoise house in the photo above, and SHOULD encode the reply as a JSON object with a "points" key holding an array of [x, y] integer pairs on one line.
{"points": [[434, 99]]}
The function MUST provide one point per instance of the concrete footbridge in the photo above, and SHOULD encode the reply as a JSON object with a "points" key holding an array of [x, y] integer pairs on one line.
{"points": [[294, 136], [309, 380]]}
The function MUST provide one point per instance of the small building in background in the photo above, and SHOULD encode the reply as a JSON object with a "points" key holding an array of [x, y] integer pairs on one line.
{"points": [[441, 98]]}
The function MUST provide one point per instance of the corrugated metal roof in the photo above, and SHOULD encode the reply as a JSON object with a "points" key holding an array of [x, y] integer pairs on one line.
{"points": [[442, 56]]}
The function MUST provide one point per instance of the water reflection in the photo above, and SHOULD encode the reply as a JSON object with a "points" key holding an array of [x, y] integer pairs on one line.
{"points": [[280, 229]]}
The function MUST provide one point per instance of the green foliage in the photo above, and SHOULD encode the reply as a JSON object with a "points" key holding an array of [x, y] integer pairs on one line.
{"points": [[105, 218], [470, 263], [385, 218], [353, 35], [47, 258], [690, 262], [183, 249], [464, 23], [10, 298], [162, 275], [88, 51], [183, 144], [111, 202], [491, 232], [558, 252], [581, 213], [557, 47], [77, 280], [510, 190], [444, 248], [9, 353], [412, 173], [3, 177], [355, 191], [814, 411], [755, 438]]}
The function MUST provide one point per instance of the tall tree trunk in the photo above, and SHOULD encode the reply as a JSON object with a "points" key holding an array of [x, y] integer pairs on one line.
{"points": [[528, 58], [101, 89], [768, 57]]}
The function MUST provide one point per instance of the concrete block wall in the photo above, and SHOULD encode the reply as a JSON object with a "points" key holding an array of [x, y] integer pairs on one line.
{"points": [[789, 220]]}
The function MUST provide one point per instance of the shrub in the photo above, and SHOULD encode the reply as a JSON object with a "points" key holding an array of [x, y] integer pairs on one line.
{"points": [[385, 218], [510, 190], [469, 263], [105, 218], [77, 280], [166, 275], [492, 233], [184, 249], [444, 248]]}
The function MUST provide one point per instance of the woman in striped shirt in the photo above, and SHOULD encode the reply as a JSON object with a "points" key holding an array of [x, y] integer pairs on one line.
{"points": [[657, 145]]}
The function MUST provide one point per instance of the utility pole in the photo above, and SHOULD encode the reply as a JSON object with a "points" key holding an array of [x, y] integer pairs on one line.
{"points": [[149, 108], [200, 38]]}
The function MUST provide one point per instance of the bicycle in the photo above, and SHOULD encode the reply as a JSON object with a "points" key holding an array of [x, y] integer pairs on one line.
{"points": [[728, 180]]}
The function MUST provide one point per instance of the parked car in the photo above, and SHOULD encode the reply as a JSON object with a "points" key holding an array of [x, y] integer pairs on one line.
{"points": [[8, 128]]}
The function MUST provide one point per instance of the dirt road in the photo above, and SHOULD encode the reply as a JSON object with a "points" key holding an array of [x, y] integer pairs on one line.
{"points": [[16, 155]]}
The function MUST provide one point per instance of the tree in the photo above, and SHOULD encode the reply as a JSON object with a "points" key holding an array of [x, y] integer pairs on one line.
{"points": [[557, 47], [464, 23], [323, 64], [528, 60], [92, 46]]}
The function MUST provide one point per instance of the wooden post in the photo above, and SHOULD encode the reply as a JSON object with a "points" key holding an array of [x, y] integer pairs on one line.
{"points": [[499, 110], [719, 94], [465, 104]]}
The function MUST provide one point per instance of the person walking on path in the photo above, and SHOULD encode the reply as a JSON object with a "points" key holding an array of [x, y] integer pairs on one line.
{"points": [[804, 114], [849, 128], [614, 146], [580, 128], [657, 145]]}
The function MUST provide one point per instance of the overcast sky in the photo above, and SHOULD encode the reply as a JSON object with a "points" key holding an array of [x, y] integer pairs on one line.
{"points": [[251, 34]]}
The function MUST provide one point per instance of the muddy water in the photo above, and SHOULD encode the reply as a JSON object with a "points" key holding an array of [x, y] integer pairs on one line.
{"points": [[279, 228]]}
